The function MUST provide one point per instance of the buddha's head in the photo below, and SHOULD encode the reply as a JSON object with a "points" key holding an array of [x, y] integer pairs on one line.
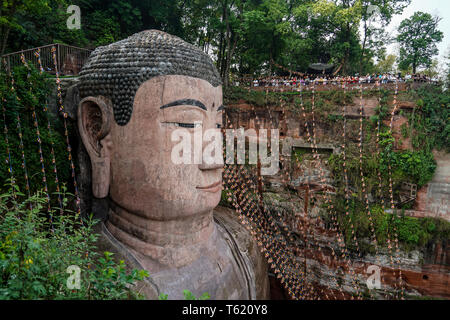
{"points": [[135, 93]]}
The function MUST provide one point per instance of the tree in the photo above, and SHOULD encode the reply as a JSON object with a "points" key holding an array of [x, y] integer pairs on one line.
{"points": [[10, 11], [446, 75], [433, 70], [341, 21], [386, 65], [380, 11], [265, 29], [46, 26], [418, 37]]}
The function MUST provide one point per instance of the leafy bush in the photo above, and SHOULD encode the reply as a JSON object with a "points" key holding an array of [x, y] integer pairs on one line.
{"points": [[431, 124], [335, 118], [32, 91], [404, 130], [414, 166], [411, 232], [419, 166], [37, 248], [370, 167]]}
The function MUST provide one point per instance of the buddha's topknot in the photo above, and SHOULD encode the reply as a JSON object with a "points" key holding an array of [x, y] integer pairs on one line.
{"points": [[116, 71]]}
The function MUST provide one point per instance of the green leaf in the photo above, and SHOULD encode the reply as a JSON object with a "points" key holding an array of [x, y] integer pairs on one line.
{"points": [[163, 296]]}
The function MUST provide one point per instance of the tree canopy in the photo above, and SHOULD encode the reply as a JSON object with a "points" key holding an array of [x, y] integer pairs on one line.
{"points": [[418, 37], [242, 36]]}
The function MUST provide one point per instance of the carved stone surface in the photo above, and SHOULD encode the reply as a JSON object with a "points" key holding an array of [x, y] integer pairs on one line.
{"points": [[160, 214], [116, 71], [241, 273]]}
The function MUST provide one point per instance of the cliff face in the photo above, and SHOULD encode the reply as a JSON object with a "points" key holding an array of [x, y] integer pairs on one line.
{"points": [[419, 272], [425, 272]]}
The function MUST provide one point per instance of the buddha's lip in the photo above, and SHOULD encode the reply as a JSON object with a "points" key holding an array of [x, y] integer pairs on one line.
{"points": [[216, 186]]}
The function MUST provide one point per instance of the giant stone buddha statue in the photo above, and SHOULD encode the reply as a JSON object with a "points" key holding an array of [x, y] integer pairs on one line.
{"points": [[162, 216]]}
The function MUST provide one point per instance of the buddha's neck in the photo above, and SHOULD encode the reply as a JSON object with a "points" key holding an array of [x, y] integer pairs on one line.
{"points": [[173, 243]]}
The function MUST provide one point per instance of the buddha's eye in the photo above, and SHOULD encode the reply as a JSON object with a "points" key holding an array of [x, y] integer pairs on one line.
{"points": [[218, 126], [185, 125]]}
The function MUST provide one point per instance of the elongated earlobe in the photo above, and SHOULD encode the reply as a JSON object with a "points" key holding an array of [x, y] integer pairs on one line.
{"points": [[94, 124]]}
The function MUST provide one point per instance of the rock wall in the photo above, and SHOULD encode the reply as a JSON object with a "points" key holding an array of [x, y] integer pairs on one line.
{"points": [[424, 272]]}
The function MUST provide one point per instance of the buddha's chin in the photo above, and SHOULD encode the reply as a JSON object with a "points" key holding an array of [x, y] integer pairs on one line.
{"points": [[210, 198]]}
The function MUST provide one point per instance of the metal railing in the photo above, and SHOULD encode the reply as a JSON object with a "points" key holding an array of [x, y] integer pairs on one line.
{"points": [[69, 59]]}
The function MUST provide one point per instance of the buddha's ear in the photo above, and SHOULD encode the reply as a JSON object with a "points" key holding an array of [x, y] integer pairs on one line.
{"points": [[94, 125]]}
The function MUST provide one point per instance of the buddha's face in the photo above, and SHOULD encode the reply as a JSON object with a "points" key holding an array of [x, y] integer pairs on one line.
{"points": [[142, 176]]}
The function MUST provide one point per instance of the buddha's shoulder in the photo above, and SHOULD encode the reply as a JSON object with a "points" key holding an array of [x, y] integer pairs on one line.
{"points": [[107, 243], [229, 222], [229, 219]]}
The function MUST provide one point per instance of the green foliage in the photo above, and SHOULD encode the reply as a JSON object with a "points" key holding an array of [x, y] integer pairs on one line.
{"points": [[298, 155], [103, 27], [11, 12], [190, 296], [447, 73], [370, 167], [244, 36], [163, 296], [226, 199], [335, 118], [414, 166], [431, 123], [417, 232], [419, 166], [187, 296], [35, 252], [42, 24], [111, 280], [386, 65], [404, 130], [418, 37], [325, 100], [32, 89], [383, 108], [411, 232]]}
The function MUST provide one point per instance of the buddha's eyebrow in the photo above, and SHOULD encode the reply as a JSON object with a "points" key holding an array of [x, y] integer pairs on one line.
{"points": [[186, 102]]}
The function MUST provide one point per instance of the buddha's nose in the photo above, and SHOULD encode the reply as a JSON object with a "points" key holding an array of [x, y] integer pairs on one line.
{"points": [[212, 161], [213, 166], [207, 165]]}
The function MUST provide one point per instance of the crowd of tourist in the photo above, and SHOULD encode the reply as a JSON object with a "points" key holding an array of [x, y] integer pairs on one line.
{"points": [[308, 79]]}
